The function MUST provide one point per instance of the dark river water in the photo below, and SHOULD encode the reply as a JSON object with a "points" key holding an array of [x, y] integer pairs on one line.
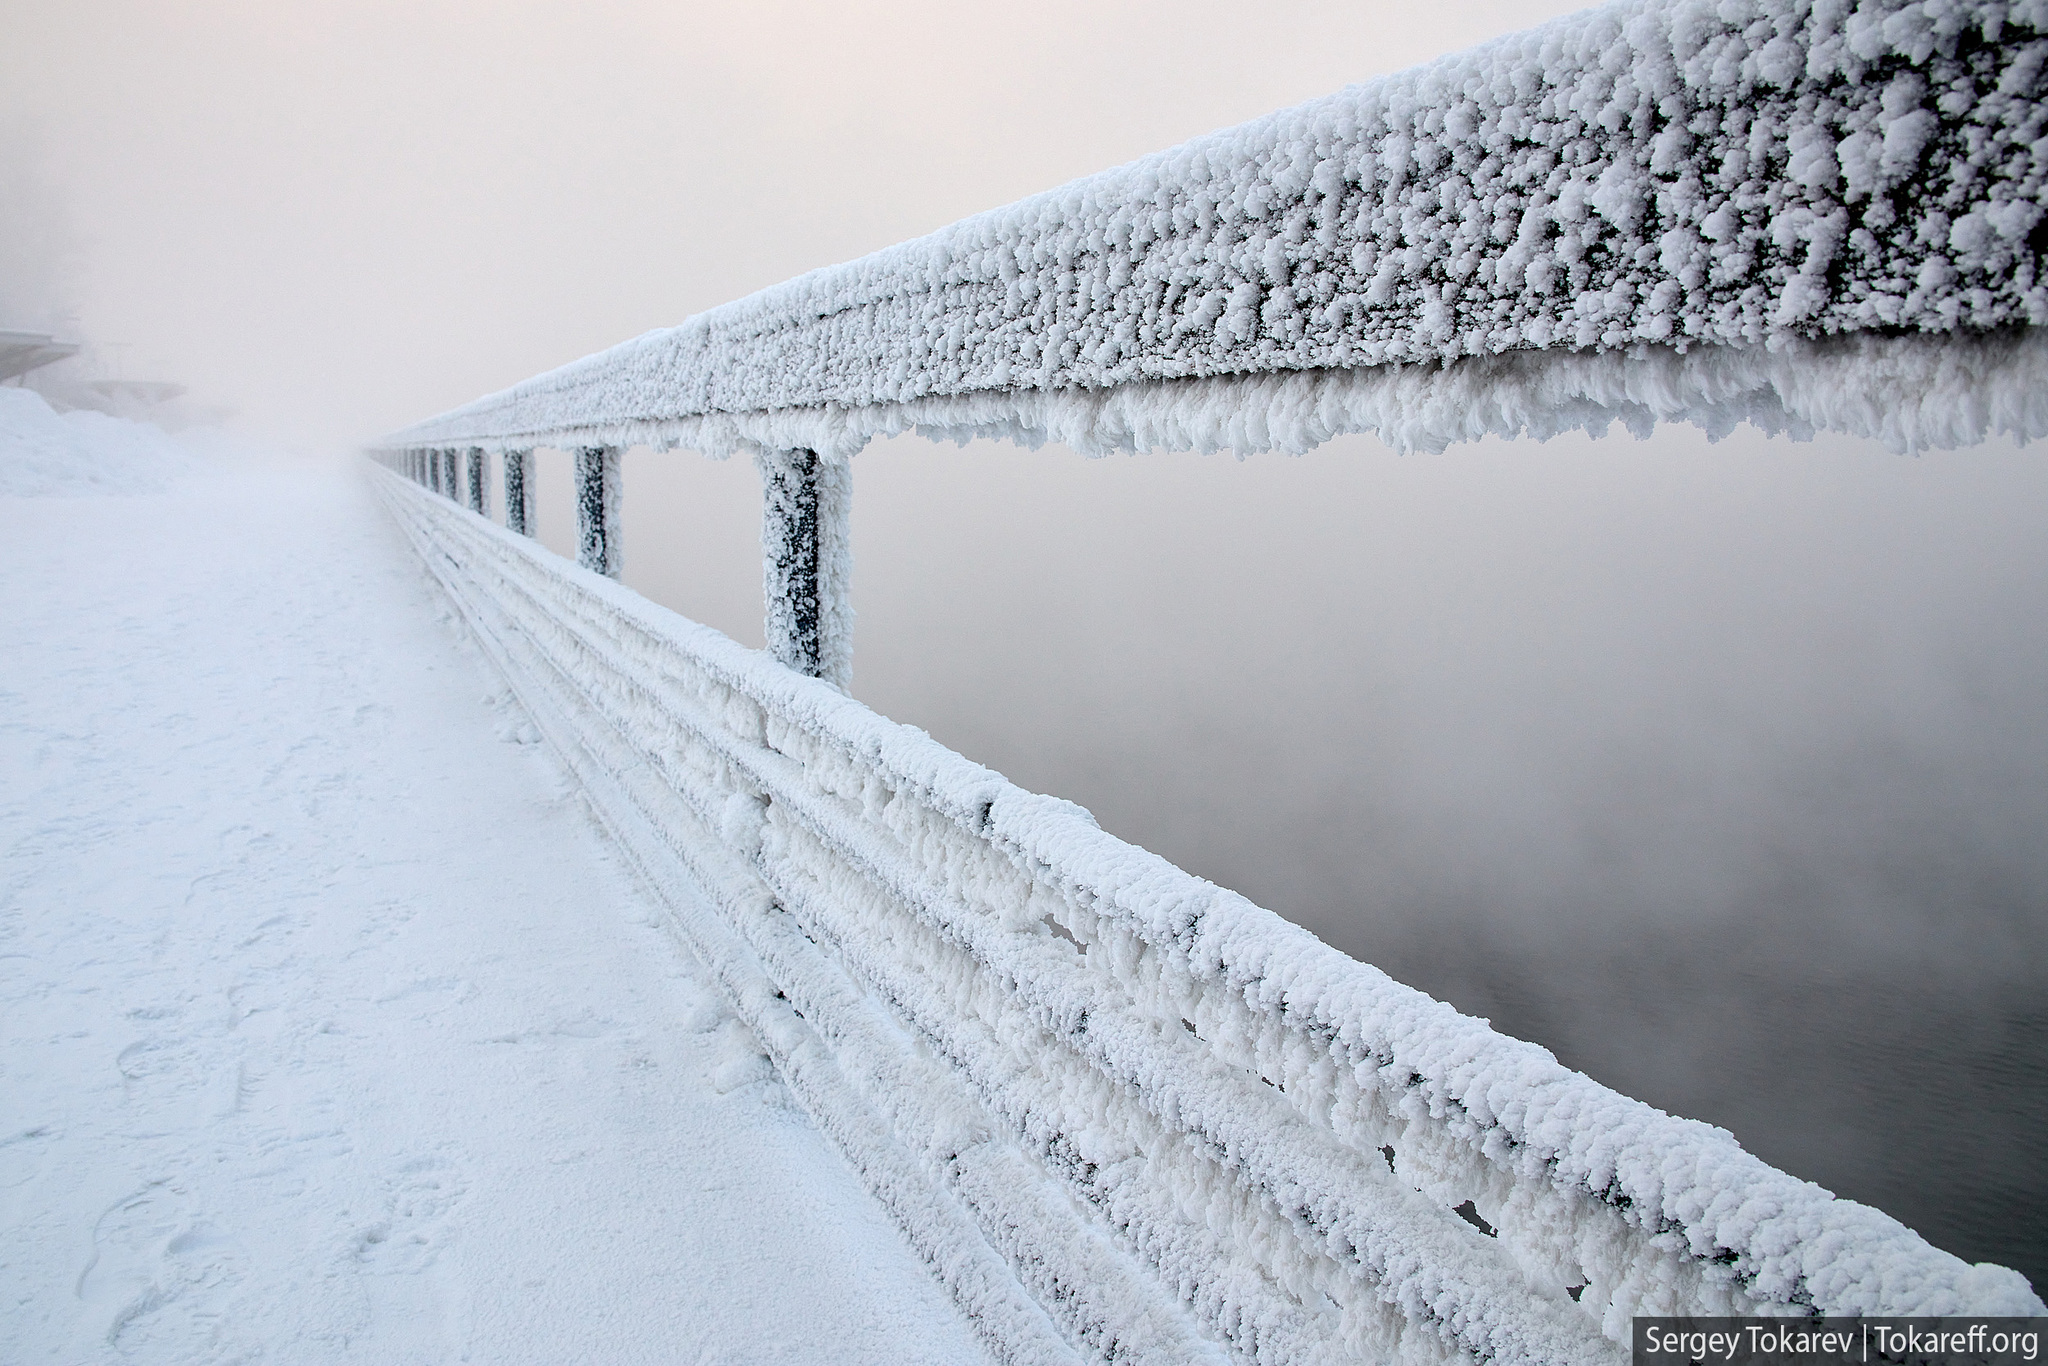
{"points": [[1721, 771], [1922, 1096]]}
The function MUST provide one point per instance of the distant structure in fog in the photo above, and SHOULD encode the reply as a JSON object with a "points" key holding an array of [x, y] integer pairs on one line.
{"points": [[138, 400], [21, 352]]}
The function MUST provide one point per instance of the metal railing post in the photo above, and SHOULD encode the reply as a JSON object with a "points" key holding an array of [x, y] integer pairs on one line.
{"points": [[597, 509], [518, 493], [806, 561], [478, 463]]}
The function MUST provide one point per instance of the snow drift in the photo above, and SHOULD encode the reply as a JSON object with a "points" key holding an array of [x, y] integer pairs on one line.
{"points": [[44, 453]]}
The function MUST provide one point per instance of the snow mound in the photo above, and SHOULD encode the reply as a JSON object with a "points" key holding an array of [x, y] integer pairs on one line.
{"points": [[1655, 179], [44, 453]]}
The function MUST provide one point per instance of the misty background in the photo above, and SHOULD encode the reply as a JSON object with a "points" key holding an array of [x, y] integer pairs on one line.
{"points": [[1720, 770]]}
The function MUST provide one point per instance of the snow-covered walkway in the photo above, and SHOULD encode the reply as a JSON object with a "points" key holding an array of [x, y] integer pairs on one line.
{"points": [[329, 1029]]}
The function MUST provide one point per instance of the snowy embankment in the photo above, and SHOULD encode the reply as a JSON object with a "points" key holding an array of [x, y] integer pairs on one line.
{"points": [[1122, 1113], [330, 1029], [1802, 215], [44, 453]]}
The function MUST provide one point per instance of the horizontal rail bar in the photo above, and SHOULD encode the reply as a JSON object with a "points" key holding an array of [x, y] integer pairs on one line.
{"points": [[1699, 185]]}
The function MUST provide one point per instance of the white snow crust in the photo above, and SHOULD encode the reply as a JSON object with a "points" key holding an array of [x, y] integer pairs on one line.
{"points": [[44, 453], [331, 1030], [1122, 1113], [1803, 213]]}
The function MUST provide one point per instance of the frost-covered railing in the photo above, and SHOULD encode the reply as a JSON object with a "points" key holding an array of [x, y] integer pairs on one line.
{"points": [[1125, 1114]]}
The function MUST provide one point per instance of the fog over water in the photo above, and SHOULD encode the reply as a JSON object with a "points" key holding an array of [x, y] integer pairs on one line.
{"points": [[1721, 770]]}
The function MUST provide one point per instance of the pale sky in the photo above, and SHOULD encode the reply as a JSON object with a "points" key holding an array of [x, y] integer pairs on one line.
{"points": [[340, 217]]}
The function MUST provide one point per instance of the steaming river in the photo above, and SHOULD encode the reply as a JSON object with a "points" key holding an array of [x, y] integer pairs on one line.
{"points": [[1721, 771]]}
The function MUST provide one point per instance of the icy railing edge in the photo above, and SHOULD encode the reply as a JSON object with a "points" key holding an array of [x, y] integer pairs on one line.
{"points": [[1786, 1241], [1909, 393], [1638, 181], [1686, 1185]]}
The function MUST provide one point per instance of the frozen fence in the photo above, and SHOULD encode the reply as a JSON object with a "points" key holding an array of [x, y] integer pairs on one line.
{"points": [[1124, 1114]]}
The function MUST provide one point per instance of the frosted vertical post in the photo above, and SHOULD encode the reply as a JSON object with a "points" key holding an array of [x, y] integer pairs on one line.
{"points": [[451, 474], [518, 493], [807, 562], [597, 509], [477, 463]]}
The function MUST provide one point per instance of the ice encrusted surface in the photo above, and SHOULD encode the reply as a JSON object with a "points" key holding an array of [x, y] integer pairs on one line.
{"points": [[1644, 182], [1167, 1117]]}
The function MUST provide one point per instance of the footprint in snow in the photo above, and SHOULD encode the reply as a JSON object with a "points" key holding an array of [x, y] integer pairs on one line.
{"points": [[165, 1077], [404, 1292], [413, 1228], [161, 1277]]}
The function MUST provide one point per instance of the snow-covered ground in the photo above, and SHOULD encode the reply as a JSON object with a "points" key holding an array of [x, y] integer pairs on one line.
{"points": [[329, 1028], [45, 453]]}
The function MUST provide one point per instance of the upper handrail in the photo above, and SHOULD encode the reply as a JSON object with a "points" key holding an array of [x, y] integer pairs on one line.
{"points": [[1700, 210]]}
